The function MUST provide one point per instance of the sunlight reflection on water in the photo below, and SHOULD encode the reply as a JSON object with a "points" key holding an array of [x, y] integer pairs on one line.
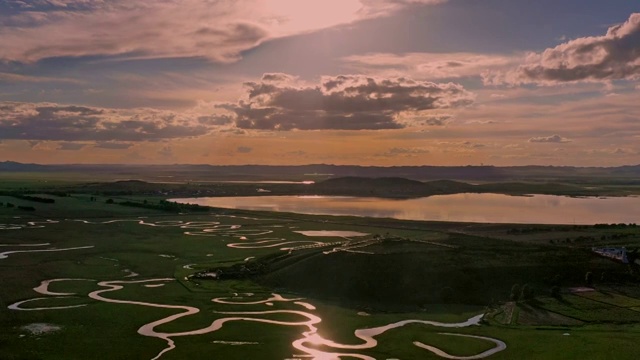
{"points": [[490, 208]]}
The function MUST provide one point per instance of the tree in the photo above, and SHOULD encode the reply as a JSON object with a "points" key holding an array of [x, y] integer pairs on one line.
{"points": [[515, 292], [447, 295], [588, 278], [527, 292], [109, 201]]}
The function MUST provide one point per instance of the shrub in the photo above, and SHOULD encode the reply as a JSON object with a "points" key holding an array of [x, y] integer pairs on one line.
{"points": [[515, 292]]}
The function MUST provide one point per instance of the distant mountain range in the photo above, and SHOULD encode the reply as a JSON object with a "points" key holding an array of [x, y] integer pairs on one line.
{"points": [[622, 174]]}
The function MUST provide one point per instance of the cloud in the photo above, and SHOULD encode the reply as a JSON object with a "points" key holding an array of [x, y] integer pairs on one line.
{"points": [[460, 146], [72, 146], [213, 29], [166, 151], [244, 149], [437, 120], [345, 102], [372, 8], [216, 120], [620, 151], [430, 65], [613, 56], [48, 121], [556, 139], [404, 152], [278, 77], [421, 119], [33, 143], [16, 78], [112, 145]]}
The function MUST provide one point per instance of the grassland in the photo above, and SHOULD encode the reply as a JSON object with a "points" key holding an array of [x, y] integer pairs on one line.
{"points": [[386, 282]]}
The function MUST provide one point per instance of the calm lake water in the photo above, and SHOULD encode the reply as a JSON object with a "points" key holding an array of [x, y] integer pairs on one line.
{"points": [[491, 208]]}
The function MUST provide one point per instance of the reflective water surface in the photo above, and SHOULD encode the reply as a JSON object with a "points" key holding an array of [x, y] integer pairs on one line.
{"points": [[491, 208]]}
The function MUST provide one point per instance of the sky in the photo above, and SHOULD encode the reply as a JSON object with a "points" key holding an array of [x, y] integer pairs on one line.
{"points": [[287, 82]]}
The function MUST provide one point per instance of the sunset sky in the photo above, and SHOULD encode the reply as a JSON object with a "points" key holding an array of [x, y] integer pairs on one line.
{"points": [[368, 82]]}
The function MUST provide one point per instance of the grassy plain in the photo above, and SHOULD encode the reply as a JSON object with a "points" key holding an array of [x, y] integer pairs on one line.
{"points": [[479, 263]]}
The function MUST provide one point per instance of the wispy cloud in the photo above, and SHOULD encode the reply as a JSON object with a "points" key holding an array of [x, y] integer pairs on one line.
{"points": [[217, 30], [16, 78], [70, 146], [430, 65], [404, 152], [112, 145]]}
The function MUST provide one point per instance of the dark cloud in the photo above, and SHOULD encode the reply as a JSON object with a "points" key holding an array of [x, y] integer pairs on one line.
{"points": [[277, 77], [613, 56], [454, 64], [244, 149], [45, 121], [438, 120], [345, 102], [556, 139]]}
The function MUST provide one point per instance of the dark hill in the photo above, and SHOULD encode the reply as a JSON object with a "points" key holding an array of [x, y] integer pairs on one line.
{"points": [[349, 181], [16, 166]]}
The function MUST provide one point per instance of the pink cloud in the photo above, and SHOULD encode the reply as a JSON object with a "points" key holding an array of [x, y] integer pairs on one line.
{"points": [[613, 56], [217, 30]]}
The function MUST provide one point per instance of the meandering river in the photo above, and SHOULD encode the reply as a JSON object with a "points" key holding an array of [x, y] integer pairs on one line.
{"points": [[489, 208]]}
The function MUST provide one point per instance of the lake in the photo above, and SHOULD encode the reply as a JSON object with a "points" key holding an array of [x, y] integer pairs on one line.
{"points": [[489, 208]]}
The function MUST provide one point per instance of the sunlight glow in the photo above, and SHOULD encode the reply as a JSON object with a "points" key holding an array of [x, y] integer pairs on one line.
{"points": [[288, 16]]}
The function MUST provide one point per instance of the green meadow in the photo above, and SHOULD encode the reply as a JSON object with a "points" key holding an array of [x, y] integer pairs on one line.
{"points": [[402, 270]]}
